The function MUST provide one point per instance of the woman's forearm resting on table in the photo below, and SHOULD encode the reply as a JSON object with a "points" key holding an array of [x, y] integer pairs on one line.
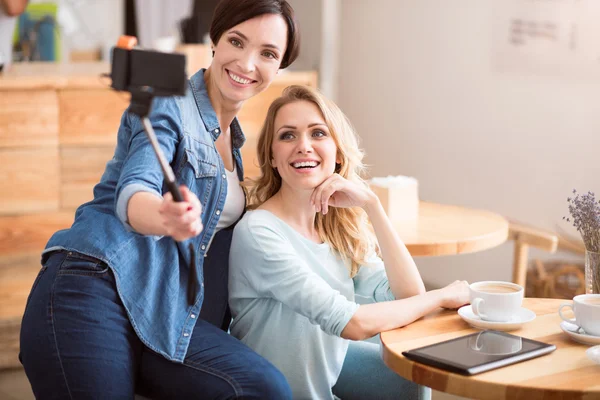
{"points": [[403, 275], [371, 319]]}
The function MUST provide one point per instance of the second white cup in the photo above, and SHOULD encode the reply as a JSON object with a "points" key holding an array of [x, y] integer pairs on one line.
{"points": [[587, 313]]}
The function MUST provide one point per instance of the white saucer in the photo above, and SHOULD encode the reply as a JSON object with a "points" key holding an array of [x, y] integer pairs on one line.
{"points": [[523, 316], [593, 354], [578, 335]]}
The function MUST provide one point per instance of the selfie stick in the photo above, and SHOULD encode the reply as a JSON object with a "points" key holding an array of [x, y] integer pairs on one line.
{"points": [[166, 168], [142, 73]]}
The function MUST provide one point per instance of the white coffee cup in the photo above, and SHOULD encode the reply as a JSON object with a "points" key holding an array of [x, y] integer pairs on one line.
{"points": [[493, 344], [496, 301], [587, 313]]}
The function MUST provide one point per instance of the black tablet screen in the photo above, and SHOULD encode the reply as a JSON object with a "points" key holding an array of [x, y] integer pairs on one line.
{"points": [[479, 351]]}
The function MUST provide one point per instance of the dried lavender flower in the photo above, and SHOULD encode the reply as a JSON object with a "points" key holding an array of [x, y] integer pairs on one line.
{"points": [[585, 216]]}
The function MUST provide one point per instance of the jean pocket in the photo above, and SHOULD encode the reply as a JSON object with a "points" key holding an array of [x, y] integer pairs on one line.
{"points": [[79, 264]]}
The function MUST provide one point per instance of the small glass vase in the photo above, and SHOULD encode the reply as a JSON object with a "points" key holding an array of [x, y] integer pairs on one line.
{"points": [[592, 272]]}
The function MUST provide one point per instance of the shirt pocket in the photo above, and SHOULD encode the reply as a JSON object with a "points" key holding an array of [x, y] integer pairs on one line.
{"points": [[200, 160], [201, 165], [198, 170]]}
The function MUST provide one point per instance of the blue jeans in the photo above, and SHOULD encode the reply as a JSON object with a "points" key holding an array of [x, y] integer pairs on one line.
{"points": [[365, 376], [78, 343]]}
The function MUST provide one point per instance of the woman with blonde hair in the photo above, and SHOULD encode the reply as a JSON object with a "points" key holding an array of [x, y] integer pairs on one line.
{"points": [[306, 249]]}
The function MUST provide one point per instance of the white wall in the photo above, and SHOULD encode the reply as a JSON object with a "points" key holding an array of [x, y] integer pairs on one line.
{"points": [[417, 80], [308, 13], [319, 22], [158, 19]]}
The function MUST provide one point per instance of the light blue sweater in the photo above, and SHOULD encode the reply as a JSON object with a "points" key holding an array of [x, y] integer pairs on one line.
{"points": [[291, 299]]}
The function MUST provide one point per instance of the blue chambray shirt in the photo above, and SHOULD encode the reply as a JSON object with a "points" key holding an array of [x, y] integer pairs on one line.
{"points": [[150, 276]]}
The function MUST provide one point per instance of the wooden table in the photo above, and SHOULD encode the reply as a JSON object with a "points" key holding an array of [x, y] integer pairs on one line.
{"points": [[564, 374], [447, 230]]}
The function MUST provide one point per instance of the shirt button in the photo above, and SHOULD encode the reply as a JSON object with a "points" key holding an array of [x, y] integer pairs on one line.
{"points": [[218, 212], [193, 316], [203, 247], [217, 130], [186, 334], [224, 176]]}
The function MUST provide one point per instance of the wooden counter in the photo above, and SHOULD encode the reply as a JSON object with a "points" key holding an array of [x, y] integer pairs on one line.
{"points": [[58, 128], [88, 75]]}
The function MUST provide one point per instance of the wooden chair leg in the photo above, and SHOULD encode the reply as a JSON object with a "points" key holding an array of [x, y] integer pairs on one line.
{"points": [[520, 263]]}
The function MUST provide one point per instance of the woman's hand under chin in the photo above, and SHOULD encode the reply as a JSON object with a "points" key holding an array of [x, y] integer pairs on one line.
{"points": [[337, 191]]}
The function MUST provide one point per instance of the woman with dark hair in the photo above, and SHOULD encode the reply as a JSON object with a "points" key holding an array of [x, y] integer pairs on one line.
{"points": [[108, 315]]}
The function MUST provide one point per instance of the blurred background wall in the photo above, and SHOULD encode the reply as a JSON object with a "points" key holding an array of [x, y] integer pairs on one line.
{"points": [[418, 81], [423, 85], [88, 24]]}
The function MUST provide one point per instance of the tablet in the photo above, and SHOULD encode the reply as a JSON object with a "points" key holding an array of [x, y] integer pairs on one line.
{"points": [[479, 352]]}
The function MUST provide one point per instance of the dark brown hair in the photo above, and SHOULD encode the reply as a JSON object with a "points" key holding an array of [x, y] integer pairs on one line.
{"points": [[230, 13]]}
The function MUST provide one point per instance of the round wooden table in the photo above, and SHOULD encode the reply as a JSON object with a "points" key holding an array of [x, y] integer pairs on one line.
{"points": [[564, 374], [447, 230]]}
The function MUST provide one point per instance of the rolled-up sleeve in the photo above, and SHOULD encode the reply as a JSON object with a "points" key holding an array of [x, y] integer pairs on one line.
{"points": [[274, 269], [371, 282], [141, 171]]}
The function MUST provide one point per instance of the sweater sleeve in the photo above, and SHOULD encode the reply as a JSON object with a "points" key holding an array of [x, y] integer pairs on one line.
{"points": [[266, 261], [371, 282]]}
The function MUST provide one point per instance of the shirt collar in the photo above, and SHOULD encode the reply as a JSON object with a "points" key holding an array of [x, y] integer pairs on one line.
{"points": [[207, 112]]}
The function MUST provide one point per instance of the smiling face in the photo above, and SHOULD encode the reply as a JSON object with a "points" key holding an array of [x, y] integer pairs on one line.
{"points": [[303, 150], [247, 57]]}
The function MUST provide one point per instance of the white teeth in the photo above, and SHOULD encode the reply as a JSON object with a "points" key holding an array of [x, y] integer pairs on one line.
{"points": [[239, 79], [311, 164]]}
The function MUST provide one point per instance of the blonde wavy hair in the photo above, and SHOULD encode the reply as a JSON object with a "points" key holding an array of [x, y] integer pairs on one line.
{"points": [[346, 230]]}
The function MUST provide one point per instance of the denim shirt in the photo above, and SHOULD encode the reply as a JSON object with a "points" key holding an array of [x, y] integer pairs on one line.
{"points": [[151, 277]]}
